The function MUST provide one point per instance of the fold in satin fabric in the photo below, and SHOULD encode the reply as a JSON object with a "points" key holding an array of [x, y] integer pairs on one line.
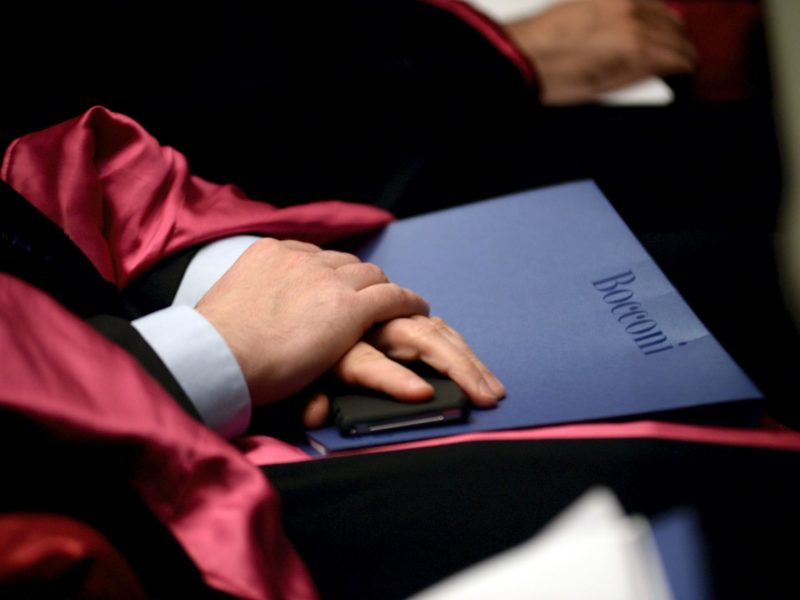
{"points": [[128, 202], [82, 389], [44, 552]]}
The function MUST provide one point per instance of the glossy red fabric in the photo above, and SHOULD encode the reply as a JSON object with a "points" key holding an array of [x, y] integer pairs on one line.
{"points": [[83, 389], [44, 555], [127, 202]]}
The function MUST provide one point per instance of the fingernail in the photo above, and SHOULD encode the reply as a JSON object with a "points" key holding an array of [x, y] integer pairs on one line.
{"points": [[493, 386]]}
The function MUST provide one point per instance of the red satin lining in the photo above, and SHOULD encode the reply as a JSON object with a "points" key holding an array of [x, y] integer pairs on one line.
{"points": [[82, 389], [128, 202], [46, 551]]}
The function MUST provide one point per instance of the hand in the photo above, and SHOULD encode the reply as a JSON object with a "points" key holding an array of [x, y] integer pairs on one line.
{"points": [[290, 311], [371, 363], [584, 47]]}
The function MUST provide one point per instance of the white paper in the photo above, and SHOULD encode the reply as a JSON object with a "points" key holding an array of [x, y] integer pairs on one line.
{"points": [[592, 550]]}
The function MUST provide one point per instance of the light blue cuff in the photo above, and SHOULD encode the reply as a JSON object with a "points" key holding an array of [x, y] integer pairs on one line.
{"points": [[202, 363], [208, 265]]}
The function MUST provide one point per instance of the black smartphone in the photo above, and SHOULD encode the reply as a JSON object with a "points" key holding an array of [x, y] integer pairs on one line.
{"points": [[361, 412]]}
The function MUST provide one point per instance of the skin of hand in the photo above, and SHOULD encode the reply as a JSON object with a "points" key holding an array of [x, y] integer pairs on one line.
{"points": [[585, 47], [291, 312]]}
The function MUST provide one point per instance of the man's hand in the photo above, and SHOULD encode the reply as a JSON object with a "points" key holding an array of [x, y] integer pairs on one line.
{"points": [[585, 47], [372, 363], [289, 311]]}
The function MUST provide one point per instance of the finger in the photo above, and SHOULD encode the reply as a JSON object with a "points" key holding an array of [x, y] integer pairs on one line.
{"points": [[667, 61], [360, 275], [366, 366], [667, 30], [461, 345], [658, 22], [660, 15], [316, 410], [670, 36], [441, 347], [386, 301], [677, 45]]}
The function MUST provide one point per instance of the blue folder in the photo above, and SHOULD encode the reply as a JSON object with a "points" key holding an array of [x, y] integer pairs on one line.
{"points": [[558, 297], [684, 556]]}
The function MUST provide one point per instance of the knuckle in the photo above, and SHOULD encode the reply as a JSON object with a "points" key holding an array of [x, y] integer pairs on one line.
{"points": [[264, 245], [440, 325], [344, 299], [344, 257], [375, 271], [363, 355], [428, 328], [395, 292], [298, 259]]}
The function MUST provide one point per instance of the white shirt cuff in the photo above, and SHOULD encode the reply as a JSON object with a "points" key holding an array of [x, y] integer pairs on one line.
{"points": [[203, 365], [208, 265]]}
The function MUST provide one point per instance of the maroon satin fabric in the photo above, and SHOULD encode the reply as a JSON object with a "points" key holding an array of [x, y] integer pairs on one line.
{"points": [[62, 374], [44, 555], [127, 201]]}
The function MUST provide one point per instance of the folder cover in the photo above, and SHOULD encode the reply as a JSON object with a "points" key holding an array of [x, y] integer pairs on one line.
{"points": [[560, 300]]}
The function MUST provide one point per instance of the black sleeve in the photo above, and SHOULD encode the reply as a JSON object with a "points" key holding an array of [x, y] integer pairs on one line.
{"points": [[156, 288], [122, 333]]}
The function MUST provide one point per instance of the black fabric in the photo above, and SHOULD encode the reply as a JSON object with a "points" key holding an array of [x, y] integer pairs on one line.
{"points": [[731, 280], [35, 249], [385, 526], [47, 475], [156, 288], [122, 333], [691, 165], [60, 476], [291, 101]]}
